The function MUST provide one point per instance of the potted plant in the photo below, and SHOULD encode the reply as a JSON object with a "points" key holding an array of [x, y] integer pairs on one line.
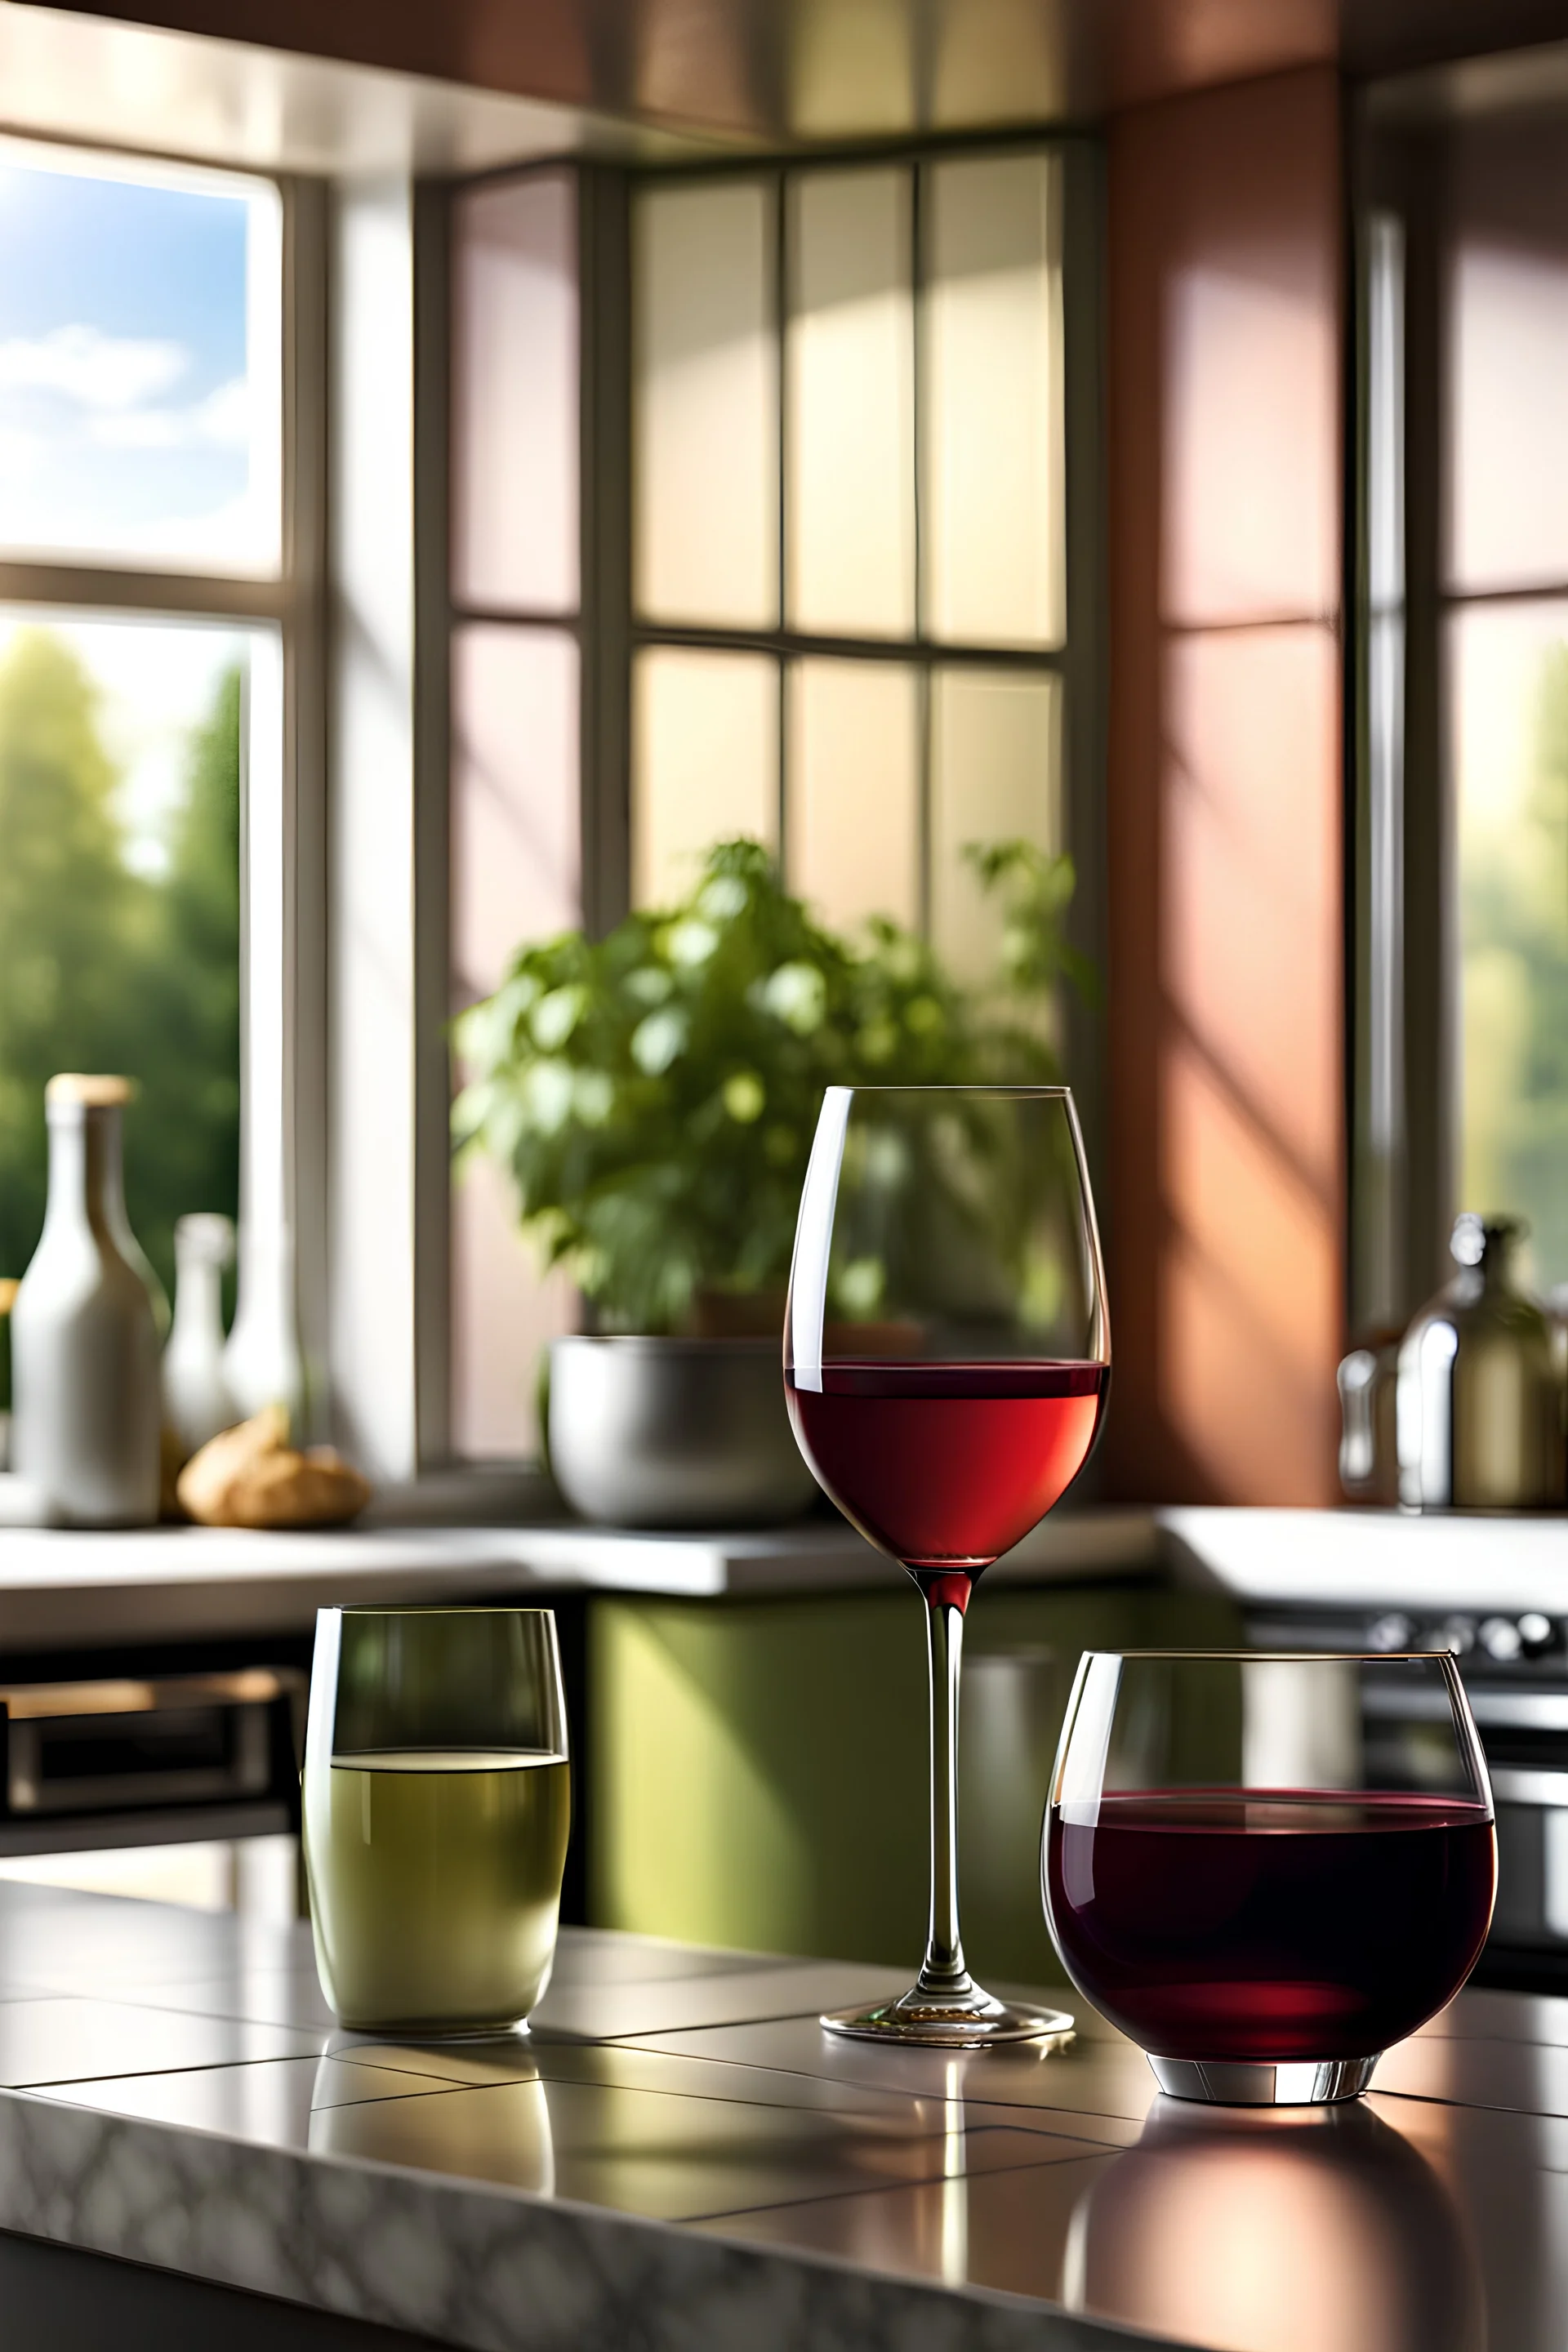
{"points": [[654, 1094]]}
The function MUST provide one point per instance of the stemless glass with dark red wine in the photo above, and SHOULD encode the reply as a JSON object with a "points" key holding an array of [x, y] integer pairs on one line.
{"points": [[946, 1360], [1248, 1870]]}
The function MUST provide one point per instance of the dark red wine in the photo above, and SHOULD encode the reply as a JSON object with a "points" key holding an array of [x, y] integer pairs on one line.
{"points": [[1273, 1926], [948, 1466]]}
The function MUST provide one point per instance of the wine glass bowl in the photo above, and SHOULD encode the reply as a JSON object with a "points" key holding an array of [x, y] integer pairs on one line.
{"points": [[1247, 1878], [947, 1357]]}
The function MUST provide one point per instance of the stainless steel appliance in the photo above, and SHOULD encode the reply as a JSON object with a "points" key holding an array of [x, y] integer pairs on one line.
{"points": [[1515, 1668], [132, 1758]]}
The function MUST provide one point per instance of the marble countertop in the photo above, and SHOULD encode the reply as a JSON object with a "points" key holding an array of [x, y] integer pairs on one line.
{"points": [[59, 1586], [679, 2157], [1360, 1558]]}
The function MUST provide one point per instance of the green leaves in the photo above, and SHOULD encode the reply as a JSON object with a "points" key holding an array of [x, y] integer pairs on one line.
{"points": [[106, 967], [654, 1092]]}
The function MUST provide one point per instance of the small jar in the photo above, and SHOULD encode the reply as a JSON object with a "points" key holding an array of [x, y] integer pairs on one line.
{"points": [[1481, 1399]]}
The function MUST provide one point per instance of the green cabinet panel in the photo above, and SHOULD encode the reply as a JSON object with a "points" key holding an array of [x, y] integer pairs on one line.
{"points": [[758, 1768]]}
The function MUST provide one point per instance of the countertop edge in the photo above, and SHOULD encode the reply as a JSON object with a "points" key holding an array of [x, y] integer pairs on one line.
{"points": [[202, 1582], [60, 1587], [475, 2266]]}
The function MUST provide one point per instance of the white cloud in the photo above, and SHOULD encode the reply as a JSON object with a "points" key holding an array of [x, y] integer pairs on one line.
{"points": [[223, 417], [221, 420], [103, 372]]}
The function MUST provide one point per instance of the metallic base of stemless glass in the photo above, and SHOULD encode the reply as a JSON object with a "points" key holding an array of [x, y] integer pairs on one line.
{"points": [[418, 2032], [1228, 2082], [968, 2021]]}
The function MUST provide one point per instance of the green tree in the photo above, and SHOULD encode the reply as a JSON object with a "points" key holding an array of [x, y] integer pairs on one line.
{"points": [[102, 968], [1514, 922], [69, 911], [182, 1133]]}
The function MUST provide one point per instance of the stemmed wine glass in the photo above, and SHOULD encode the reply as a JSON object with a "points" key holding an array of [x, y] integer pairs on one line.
{"points": [[947, 1356]]}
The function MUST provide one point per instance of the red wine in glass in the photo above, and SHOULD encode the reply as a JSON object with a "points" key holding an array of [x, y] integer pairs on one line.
{"points": [[946, 1359], [947, 1465], [1268, 1926]]}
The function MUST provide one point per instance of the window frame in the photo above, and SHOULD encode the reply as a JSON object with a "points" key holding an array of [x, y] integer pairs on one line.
{"points": [[609, 634], [283, 927], [1078, 660]]}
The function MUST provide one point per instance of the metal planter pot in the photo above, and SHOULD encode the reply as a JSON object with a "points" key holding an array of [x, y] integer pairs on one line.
{"points": [[649, 1432]]}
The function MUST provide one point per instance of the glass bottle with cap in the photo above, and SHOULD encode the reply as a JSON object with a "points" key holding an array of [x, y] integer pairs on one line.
{"points": [[84, 1334], [1481, 1404], [196, 1399]]}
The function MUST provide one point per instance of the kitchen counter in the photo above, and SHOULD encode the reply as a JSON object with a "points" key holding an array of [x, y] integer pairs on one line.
{"points": [[61, 1588], [1359, 1559], [679, 2157]]}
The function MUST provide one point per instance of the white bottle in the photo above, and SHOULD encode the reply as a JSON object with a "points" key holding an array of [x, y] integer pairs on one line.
{"points": [[262, 1363], [196, 1400], [86, 1409]]}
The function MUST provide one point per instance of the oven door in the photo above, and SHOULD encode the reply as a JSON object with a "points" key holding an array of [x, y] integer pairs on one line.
{"points": [[1525, 1736], [1530, 1926]]}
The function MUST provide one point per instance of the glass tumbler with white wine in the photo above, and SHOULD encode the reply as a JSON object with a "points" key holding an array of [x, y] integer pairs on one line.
{"points": [[437, 1806]]}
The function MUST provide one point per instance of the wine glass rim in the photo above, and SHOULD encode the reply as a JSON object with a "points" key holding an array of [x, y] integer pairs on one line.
{"points": [[1289, 1658], [1020, 1093]]}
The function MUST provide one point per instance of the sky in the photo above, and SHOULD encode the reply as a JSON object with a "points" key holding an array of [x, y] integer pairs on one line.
{"points": [[137, 398], [129, 312]]}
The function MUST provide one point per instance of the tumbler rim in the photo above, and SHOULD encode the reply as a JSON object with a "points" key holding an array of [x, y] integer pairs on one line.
{"points": [[435, 1609], [1286, 1657]]}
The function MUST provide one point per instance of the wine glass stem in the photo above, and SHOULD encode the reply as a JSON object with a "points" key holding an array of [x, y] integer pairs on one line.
{"points": [[943, 1970]]}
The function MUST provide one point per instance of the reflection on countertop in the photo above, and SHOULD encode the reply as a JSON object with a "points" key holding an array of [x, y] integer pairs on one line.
{"points": [[175, 2091], [1308, 2226]]}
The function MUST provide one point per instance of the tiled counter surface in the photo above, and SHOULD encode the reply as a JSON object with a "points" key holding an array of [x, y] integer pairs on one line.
{"points": [[679, 2158]]}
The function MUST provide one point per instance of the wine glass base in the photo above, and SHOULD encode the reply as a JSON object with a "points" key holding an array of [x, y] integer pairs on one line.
{"points": [[969, 2021], [1230, 2083]]}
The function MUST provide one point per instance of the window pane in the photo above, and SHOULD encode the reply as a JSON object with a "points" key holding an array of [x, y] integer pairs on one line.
{"points": [[992, 437], [515, 828], [854, 797], [1503, 224], [850, 470], [1508, 489], [1509, 672], [119, 766], [515, 837], [140, 316], [705, 732], [995, 776], [514, 395], [706, 406]]}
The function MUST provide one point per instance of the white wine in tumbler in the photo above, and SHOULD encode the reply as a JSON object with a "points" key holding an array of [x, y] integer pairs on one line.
{"points": [[435, 1883]]}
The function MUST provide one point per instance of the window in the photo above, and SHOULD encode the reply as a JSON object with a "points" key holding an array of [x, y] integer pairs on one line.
{"points": [[142, 605], [759, 525], [515, 828], [1462, 951], [848, 527]]}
